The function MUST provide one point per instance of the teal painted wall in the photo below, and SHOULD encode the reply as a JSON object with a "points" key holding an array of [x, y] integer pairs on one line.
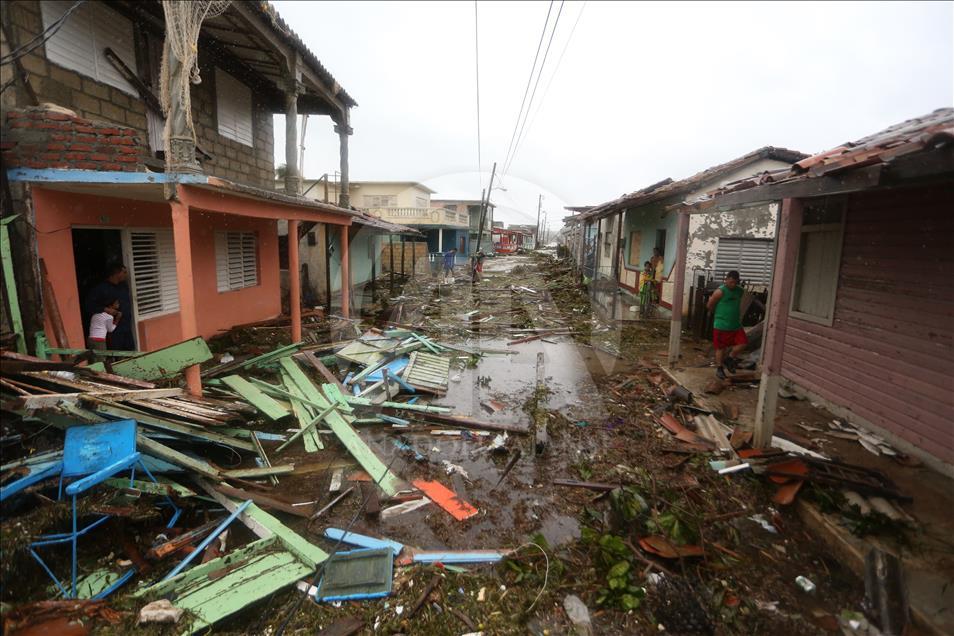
{"points": [[647, 220]]}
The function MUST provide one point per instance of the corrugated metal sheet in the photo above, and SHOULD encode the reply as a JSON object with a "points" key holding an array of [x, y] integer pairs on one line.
{"points": [[751, 257], [889, 354], [913, 135]]}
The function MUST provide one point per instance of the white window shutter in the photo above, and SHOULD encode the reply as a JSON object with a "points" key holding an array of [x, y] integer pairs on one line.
{"points": [[236, 260], [233, 108], [79, 43], [153, 270]]}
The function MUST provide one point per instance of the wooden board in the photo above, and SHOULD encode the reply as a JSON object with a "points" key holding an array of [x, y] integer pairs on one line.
{"points": [[446, 499], [267, 405], [427, 372]]}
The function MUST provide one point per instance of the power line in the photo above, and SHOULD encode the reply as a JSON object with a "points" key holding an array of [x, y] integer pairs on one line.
{"points": [[477, 73], [526, 91], [535, 84], [40, 38], [546, 90]]}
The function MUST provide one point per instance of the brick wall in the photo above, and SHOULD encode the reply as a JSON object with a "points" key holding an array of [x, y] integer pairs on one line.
{"points": [[95, 101], [57, 138]]}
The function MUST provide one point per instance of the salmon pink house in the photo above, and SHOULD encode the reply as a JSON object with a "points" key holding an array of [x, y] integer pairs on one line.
{"points": [[97, 171]]}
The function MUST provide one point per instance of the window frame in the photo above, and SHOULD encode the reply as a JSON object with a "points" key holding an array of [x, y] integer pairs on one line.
{"points": [[256, 254], [133, 283], [93, 12], [221, 73], [842, 208]]}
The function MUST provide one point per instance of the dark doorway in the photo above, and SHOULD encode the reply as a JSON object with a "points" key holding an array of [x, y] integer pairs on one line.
{"points": [[94, 251], [661, 241]]}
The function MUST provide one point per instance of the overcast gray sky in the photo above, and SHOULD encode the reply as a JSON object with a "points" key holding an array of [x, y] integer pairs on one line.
{"points": [[644, 90]]}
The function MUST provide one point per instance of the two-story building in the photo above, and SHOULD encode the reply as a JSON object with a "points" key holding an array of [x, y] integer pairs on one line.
{"points": [[471, 208], [101, 174]]}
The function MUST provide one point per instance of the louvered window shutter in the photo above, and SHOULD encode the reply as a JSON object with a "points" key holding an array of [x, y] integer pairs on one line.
{"points": [[78, 44], [233, 107], [236, 260], [154, 272]]}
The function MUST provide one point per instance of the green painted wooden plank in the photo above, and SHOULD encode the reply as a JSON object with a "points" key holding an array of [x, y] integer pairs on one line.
{"points": [[259, 577], [166, 362], [306, 552], [305, 413], [13, 300], [254, 396], [389, 482]]}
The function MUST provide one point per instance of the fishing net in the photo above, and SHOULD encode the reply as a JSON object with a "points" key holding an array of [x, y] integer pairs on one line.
{"points": [[180, 66]]}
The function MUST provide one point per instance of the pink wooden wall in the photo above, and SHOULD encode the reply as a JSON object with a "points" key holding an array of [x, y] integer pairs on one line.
{"points": [[889, 354], [57, 212]]}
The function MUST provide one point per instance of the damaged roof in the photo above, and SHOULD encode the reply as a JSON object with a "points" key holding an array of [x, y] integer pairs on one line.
{"points": [[882, 154], [373, 222], [669, 188]]}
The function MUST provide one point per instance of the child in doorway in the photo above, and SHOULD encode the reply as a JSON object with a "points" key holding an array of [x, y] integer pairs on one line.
{"points": [[727, 331], [103, 323]]}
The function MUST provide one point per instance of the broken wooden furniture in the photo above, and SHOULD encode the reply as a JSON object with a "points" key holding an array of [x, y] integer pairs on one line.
{"points": [[95, 453]]}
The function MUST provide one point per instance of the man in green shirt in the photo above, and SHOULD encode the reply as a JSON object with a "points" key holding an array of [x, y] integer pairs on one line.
{"points": [[727, 332]]}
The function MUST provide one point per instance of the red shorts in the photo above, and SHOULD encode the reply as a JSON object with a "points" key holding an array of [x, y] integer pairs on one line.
{"points": [[725, 339]]}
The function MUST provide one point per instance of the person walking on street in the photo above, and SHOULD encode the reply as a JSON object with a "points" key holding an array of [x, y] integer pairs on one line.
{"points": [[727, 331], [449, 263]]}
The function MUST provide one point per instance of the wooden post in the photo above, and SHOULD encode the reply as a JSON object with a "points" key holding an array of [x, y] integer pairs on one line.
{"points": [[391, 257], [188, 321], [16, 321], [375, 253], [328, 267], [773, 342], [403, 256], [616, 257], [679, 285], [294, 280], [345, 273]]}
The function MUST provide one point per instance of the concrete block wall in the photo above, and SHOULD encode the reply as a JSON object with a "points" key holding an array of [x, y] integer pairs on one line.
{"points": [[95, 101]]}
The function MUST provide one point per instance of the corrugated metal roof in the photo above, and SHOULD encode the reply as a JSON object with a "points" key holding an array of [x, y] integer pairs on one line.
{"points": [[363, 218], [668, 188], [281, 27], [911, 136]]}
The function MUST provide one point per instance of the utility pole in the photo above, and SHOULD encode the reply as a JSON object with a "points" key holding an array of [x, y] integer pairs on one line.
{"points": [[485, 201], [536, 234]]}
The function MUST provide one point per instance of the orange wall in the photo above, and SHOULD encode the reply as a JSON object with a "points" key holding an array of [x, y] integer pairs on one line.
{"points": [[57, 212]]}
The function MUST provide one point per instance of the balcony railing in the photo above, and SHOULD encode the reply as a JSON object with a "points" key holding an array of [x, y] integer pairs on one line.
{"points": [[420, 216]]}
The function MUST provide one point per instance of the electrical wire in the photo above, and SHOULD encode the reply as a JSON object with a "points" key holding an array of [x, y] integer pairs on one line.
{"points": [[535, 84], [526, 91], [477, 74], [40, 38], [321, 568], [546, 90]]}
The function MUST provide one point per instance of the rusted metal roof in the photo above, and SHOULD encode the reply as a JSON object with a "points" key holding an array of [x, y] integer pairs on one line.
{"points": [[281, 27], [668, 188], [917, 135]]}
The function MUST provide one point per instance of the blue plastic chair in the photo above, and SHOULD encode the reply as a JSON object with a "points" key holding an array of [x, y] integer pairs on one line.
{"points": [[96, 453]]}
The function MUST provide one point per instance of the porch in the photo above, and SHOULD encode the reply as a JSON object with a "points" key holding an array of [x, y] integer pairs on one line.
{"points": [[198, 263]]}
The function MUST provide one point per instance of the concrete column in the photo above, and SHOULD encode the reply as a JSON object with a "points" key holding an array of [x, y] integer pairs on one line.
{"points": [[679, 286], [788, 240], [344, 129], [188, 322], [294, 280], [292, 169], [345, 273], [440, 240]]}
